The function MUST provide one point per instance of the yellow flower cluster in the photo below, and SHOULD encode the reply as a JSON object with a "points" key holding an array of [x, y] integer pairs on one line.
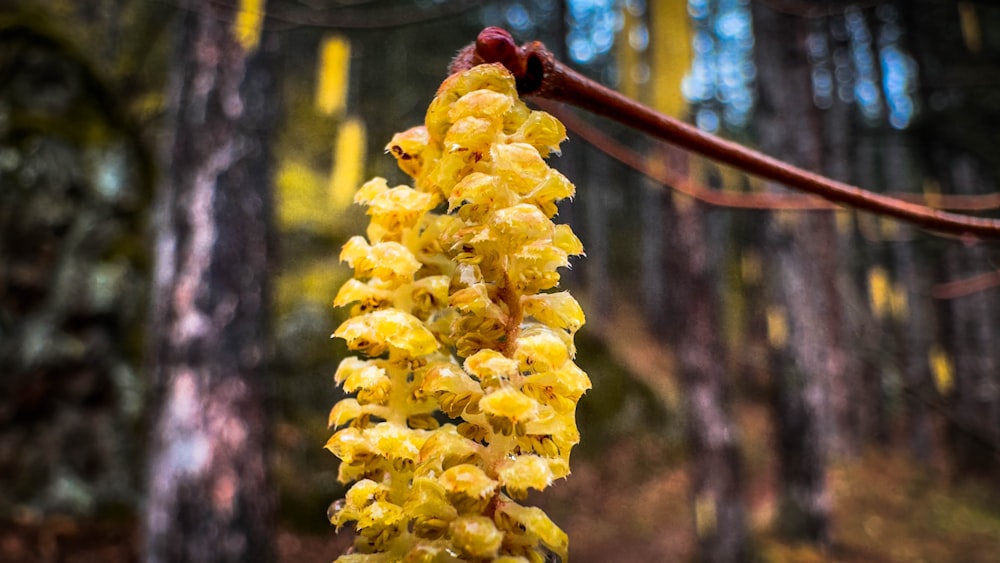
{"points": [[466, 399]]}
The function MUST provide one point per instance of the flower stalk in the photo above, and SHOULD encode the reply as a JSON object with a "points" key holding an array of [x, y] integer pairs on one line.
{"points": [[465, 388]]}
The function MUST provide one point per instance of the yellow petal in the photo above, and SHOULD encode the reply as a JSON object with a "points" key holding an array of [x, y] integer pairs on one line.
{"points": [[565, 240], [365, 492], [535, 524], [525, 472], [371, 383], [480, 103], [396, 442], [470, 134], [568, 381], [558, 310], [350, 366], [492, 77], [401, 200], [354, 290], [542, 131], [476, 300], [541, 349], [343, 412], [477, 194], [509, 404], [427, 504], [519, 166], [447, 377], [447, 447], [373, 331], [381, 514], [476, 537], [520, 224], [454, 390], [409, 148], [349, 445], [490, 365], [553, 188], [468, 480], [367, 192], [430, 293], [388, 261]]}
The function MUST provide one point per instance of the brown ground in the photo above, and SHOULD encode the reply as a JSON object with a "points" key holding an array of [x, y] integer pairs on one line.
{"points": [[624, 509], [628, 502]]}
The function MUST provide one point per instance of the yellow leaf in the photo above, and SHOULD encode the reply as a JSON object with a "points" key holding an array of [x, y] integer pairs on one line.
{"points": [[878, 291], [332, 70], [248, 23], [942, 369], [899, 302], [969, 22], [671, 54], [777, 327], [301, 197], [705, 520], [348, 163]]}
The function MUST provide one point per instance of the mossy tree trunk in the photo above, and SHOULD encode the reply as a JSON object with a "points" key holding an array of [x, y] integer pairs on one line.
{"points": [[210, 494]]}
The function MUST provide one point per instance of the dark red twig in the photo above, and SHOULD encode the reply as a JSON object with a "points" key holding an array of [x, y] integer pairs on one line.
{"points": [[540, 75], [681, 182], [740, 200], [968, 286]]}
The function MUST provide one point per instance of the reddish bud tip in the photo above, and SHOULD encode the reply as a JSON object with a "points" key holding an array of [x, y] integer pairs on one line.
{"points": [[496, 45]]}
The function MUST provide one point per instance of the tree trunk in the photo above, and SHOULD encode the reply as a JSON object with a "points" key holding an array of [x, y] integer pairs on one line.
{"points": [[800, 297], [712, 437], [210, 494], [957, 137]]}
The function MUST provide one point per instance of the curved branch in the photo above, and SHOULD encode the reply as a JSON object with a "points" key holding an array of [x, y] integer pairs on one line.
{"points": [[681, 182], [540, 75], [968, 286], [741, 200]]}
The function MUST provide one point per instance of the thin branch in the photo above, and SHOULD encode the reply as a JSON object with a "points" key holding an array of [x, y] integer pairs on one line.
{"points": [[967, 286], [741, 200], [681, 182], [540, 75]]}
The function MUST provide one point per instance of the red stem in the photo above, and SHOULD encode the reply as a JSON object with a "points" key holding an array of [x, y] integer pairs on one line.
{"points": [[540, 75], [968, 286]]}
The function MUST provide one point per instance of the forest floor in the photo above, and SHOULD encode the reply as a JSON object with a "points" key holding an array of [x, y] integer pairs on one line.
{"points": [[627, 500], [885, 512]]}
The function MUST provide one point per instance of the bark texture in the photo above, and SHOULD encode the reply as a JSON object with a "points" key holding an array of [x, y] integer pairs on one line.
{"points": [[209, 483], [799, 266], [712, 436], [957, 136]]}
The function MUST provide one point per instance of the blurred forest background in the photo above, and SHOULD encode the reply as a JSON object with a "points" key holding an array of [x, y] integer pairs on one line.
{"points": [[773, 379]]}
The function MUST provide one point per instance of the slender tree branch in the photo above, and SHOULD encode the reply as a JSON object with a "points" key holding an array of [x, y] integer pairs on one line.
{"points": [[540, 75], [967, 286], [741, 200], [682, 183]]}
